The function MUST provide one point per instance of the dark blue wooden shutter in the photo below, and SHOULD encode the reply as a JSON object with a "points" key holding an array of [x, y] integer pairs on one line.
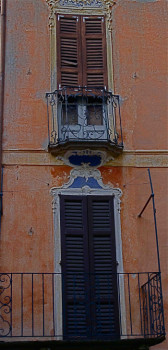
{"points": [[75, 267], [90, 298], [102, 252]]}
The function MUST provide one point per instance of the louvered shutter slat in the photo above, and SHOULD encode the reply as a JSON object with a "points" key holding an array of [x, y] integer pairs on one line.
{"points": [[93, 25], [68, 52], [94, 53], [68, 24]]}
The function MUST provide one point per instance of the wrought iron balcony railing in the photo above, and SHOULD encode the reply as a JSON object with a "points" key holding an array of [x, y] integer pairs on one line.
{"points": [[34, 305], [81, 114]]}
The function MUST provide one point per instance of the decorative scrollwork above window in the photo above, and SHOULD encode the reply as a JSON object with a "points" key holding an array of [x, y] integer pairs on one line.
{"points": [[104, 6], [80, 3]]}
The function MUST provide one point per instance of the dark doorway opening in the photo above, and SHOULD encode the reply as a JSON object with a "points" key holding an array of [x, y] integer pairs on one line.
{"points": [[89, 279]]}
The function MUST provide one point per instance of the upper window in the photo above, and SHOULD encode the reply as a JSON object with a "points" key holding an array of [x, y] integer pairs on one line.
{"points": [[81, 106], [81, 51]]}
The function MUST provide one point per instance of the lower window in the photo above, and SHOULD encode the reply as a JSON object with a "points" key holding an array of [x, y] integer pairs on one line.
{"points": [[89, 279]]}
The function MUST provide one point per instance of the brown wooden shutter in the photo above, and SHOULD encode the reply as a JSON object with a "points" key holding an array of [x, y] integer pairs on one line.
{"points": [[68, 51], [94, 52], [81, 51]]}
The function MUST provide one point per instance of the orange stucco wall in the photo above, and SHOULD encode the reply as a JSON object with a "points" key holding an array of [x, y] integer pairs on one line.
{"points": [[140, 67]]}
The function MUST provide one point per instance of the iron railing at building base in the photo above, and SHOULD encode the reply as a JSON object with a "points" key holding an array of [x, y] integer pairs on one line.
{"points": [[34, 305]]}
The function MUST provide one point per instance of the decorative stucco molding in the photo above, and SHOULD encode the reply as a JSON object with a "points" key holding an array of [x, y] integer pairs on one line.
{"points": [[85, 158], [105, 6], [80, 3], [86, 173], [55, 204]]}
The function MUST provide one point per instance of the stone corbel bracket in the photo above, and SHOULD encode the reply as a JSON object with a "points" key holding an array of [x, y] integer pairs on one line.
{"points": [[85, 159]]}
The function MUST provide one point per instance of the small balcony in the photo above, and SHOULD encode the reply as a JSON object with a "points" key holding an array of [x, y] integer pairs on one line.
{"points": [[36, 305], [81, 117]]}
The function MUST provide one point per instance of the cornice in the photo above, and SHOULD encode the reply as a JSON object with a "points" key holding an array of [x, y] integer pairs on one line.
{"points": [[138, 151], [129, 158]]}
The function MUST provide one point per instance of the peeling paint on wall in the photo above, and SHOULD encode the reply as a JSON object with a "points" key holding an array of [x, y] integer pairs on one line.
{"points": [[30, 171]]}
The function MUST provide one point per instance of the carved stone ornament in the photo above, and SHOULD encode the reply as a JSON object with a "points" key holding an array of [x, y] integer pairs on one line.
{"points": [[67, 189], [105, 6], [86, 173], [85, 158], [55, 203], [80, 3]]}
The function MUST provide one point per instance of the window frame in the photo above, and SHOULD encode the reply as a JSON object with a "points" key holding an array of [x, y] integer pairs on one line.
{"points": [[105, 11], [79, 37], [88, 8], [88, 232], [66, 190]]}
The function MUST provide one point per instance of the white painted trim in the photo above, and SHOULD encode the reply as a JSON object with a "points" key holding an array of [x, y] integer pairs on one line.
{"points": [[105, 190]]}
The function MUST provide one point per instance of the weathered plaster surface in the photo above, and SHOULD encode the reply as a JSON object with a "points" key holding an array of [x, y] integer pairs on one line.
{"points": [[138, 158], [139, 32]]}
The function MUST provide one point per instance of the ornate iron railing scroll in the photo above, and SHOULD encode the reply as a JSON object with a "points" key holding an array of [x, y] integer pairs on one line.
{"points": [[83, 114], [28, 305], [5, 304], [153, 319]]}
